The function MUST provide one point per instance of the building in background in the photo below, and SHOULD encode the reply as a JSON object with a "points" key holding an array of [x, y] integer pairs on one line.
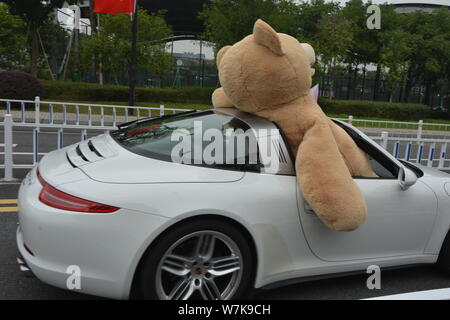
{"points": [[427, 6]]}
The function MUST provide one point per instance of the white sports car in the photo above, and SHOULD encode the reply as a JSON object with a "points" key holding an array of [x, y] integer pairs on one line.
{"points": [[131, 221]]}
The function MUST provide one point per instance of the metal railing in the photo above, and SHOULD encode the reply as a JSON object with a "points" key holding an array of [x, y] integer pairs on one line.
{"points": [[53, 113], [61, 117], [429, 152], [364, 123], [418, 126], [94, 118]]}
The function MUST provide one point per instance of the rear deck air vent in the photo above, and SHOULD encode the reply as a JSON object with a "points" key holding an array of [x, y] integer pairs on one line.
{"points": [[70, 161], [78, 150], [87, 152], [93, 149]]}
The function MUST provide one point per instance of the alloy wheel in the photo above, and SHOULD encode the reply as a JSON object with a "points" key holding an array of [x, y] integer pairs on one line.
{"points": [[201, 265]]}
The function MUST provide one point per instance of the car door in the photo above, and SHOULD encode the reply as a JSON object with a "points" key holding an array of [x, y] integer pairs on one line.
{"points": [[399, 221]]}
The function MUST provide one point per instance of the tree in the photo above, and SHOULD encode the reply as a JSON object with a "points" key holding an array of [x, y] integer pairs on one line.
{"points": [[310, 13], [228, 21], [367, 43], [286, 18], [111, 46], [363, 48], [12, 40], [430, 50], [334, 39], [35, 14], [54, 41], [394, 55]]}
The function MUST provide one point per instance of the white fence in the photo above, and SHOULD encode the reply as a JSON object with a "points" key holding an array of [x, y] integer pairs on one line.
{"points": [[88, 118], [418, 127], [74, 115], [427, 152], [62, 116]]}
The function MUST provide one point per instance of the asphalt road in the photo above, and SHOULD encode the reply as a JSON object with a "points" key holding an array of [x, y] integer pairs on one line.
{"points": [[13, 285]]}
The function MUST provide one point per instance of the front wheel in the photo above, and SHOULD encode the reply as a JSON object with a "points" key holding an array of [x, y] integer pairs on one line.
{"points": [[209, 260], [444, 255]]}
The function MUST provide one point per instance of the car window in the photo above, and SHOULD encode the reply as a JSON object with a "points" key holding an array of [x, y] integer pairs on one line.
{"points": [[384, 167], [379, 169], [381, 165], [158, 138]]}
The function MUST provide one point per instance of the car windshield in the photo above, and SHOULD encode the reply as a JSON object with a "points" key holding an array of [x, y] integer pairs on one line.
{"points": [[160, 138]]}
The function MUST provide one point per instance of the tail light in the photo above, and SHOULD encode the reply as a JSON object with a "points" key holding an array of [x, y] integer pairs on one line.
{"points": [[61, 200]]}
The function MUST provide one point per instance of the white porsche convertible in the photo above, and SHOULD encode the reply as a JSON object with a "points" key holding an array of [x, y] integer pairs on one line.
{"points": [[132, 221]]}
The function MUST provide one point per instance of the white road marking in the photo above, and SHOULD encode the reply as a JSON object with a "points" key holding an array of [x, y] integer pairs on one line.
{"points": [[435, 294], [2, 145]]}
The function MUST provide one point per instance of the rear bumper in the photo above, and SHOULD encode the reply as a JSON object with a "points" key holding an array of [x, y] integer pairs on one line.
{"points": [[23, 266], [105, 247]]}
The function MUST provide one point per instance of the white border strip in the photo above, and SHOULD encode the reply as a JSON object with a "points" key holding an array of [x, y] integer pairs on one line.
{"points": [[436, 294]]}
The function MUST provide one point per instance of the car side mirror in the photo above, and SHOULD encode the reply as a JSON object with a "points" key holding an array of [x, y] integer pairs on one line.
{"points": [[406, 178]]}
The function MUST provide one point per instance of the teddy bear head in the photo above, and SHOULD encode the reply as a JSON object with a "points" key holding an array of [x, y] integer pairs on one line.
{"points": [[265, 69]]}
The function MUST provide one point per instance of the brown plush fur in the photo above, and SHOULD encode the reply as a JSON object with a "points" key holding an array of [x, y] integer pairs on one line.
{"points": [[269, 74]]}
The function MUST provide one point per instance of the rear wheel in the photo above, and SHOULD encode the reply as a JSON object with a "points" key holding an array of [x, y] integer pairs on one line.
{"points": [[208, 260], [444, 255]]}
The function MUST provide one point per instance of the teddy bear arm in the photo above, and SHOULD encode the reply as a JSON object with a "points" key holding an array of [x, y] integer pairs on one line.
{"points": [[220, 99], [326, 183], [356, 159]]}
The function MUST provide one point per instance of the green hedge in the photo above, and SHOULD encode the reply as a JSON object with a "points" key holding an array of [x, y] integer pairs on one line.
{"points": [[58, 90], [380, 109], [17, 85], [79, 91]]}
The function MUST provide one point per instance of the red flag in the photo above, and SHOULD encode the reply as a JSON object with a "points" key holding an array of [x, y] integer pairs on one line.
{"points": [[114, 6]]}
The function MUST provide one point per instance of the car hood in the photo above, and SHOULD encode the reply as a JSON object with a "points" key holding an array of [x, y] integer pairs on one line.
{"points": [[104, 160]]}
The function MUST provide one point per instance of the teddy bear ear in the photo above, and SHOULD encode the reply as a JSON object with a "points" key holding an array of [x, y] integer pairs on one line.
{"points": [[220, 54], [264, 35]]}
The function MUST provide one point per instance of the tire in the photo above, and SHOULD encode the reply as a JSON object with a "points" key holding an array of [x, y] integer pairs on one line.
{"points": [[444, 255], [206, 259]]}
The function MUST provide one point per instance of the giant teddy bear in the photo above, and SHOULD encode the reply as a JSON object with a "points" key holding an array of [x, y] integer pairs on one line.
{"points": [[269, 74]]}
